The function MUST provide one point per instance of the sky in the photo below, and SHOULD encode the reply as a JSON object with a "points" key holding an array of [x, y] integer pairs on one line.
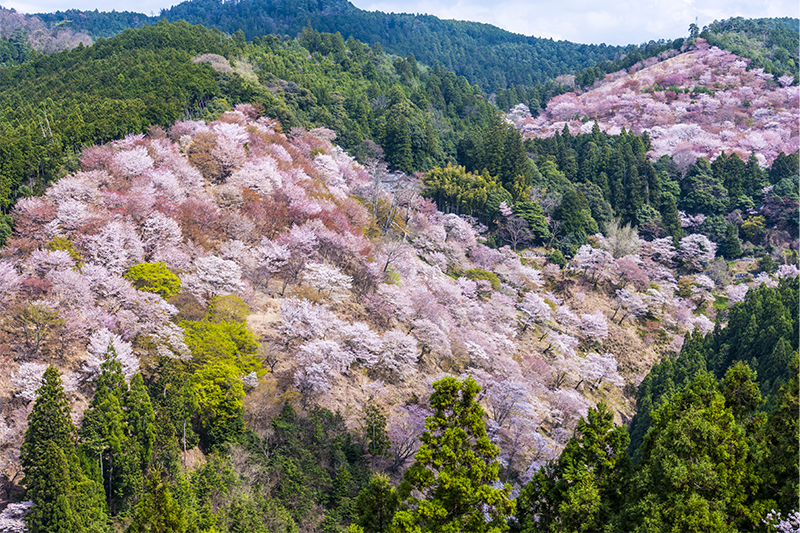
{"points": [[613, 22]]}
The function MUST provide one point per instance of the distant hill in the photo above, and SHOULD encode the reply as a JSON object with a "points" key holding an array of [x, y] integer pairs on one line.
{"points": [[698, 103], [486, 55]]}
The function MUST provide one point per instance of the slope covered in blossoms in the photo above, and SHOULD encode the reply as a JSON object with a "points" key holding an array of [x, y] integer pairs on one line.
{"points": [[357, 289], [698, 103]]}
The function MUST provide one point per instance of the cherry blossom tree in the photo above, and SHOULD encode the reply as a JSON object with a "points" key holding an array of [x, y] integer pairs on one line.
{"points": [[631, 302], [327, 280], [696, 251], [28, 379], [213, 276], [534, 311], [306, 320], [594, 326], [406, 424], [100, 343], [660, 250], [399, 354], [595, 263], [596, 369]]}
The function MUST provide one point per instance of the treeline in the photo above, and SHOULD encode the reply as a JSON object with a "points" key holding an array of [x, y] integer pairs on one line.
{"points": [[536, 95], [714, 442], [772, 43], [55, 105], [486, 55], [581, 183]]}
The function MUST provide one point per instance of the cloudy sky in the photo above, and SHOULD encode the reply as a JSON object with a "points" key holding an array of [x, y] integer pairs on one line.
{"points": [[584, 21]]}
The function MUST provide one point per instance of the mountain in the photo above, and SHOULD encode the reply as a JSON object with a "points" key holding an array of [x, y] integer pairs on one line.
{"points": [[486, 55], [700, 102], [53, 105]]}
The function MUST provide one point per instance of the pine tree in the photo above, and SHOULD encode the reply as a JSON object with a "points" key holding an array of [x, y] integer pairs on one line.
{"points": [[64, 499], [158, 511], [105, 437], [454, 468], [584, 488]]}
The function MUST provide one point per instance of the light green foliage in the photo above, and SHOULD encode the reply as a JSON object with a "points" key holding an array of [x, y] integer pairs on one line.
{"points": [[158, 511], [454, 468], [228, 308], [155, 278]]}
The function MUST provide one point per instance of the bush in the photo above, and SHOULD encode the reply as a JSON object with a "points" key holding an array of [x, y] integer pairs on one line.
{"points": [[476, 273], [155, 278]]}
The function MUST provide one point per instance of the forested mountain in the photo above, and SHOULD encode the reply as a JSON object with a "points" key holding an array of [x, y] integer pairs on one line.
{"points": [[486, 55], [54, 105], [303, 285]]}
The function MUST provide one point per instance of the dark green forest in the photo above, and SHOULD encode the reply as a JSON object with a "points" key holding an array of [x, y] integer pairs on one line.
{"points": [[487, 56]]}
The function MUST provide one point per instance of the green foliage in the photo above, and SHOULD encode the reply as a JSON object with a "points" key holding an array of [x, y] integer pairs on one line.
{"points": [[373, 424], [228, 308], [453, 469], [457, 191], [223, 352], [155, 278], [477, 273], [694, 467], [376, 505], [64, 498], [158, 510], [109, 442], [585, 488]]}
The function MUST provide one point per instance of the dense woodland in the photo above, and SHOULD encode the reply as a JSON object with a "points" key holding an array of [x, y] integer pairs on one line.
{"points": [[279, 284]]}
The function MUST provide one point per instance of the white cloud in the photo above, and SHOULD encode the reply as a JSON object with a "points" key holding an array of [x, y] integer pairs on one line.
{"points": [[616, 22]]}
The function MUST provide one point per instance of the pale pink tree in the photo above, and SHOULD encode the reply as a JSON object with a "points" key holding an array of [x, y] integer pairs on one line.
{"points": [[213, 276], [27, 379], [405, 426], [567, 318], [696, 251], [117, 246], [533, 310], [595, 263], [399, 353], [660, 250], [596, 369], [10, 283], [327, 280], [632, 304], [736, 293], [594, 326], [363, 343], [100, 343], [306, 320]]}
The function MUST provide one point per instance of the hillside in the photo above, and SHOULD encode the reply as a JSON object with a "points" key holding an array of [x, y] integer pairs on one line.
{"points": [[341, 311], [54, 105], [486, 55], [697, 103]]}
